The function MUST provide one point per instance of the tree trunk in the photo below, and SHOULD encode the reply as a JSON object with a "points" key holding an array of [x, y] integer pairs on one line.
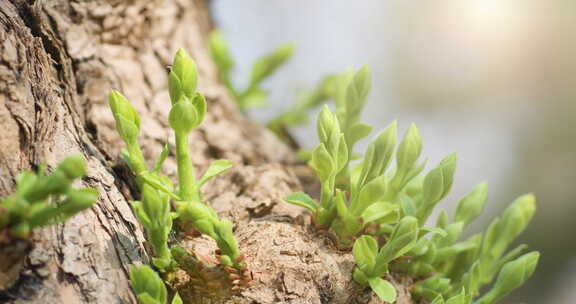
{"points": [[58, 61]]}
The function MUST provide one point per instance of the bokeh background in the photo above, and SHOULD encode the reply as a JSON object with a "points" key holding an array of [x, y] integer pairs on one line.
{"points": [[494, 80]]}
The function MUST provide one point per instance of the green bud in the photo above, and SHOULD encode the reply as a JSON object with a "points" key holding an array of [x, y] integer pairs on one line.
{"points": [[327, 126], [127, 119], [504, 231], [73, 167], [156, 208], [512, 276], [147, 284], [78, 200], [183, 116], [471, 205], [183, 77], [201, 216]]}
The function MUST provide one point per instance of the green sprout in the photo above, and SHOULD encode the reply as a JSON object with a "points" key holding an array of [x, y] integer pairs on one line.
{"points": [[187, 112], [253, 95], [41, 200], [473, 263], [153, 211], [367, 202], [374, 193], [149, 287], [372, 264]]}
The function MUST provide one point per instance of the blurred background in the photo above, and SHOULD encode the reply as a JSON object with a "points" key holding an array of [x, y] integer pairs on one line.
{"points": [[493, 80]]}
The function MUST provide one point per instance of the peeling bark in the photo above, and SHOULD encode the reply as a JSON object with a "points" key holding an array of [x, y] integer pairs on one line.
{"points": [[58, 61]]}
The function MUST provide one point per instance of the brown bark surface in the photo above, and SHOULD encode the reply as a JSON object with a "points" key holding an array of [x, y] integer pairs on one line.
{"points": [[58, 61]]}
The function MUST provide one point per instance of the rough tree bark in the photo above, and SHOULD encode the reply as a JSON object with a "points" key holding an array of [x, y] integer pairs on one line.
{"points": [[58, 61]]}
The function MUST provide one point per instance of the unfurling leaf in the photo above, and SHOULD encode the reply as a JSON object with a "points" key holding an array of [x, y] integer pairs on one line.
{"points": [[303, 200]]}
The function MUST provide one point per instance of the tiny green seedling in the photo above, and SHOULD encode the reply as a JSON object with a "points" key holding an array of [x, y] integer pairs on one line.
{"points": [[187, 112], [149, 287], [372, 264], [253, 95], [368, 202], [41, 200]]}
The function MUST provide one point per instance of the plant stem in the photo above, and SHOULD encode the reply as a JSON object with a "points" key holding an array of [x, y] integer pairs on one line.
{"points": [[186, 179], [136, 159]]}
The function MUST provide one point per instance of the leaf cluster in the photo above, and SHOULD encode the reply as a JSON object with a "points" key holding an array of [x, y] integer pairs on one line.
{"points": [[41, 200], [475, 262], [253, 95], [371, 203], [154, 211], [149, 287]]}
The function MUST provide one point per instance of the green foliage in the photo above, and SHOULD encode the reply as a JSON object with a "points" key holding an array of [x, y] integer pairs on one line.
{"points": [[253, 95], [41, 200], [367, 203], [372, 264], [154, 211], [149, 287]]}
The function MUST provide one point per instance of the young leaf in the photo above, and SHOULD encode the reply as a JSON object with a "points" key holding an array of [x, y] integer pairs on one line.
{"points": [[265, 66], [512, 275], [322, 163], [369, 194], [303, 200], [401, 241], [217, 167], [161, 158], [356, 94], [471, 205], [384, 289], [146, 281], [365, 250], [406, 156], [381, 212], [127, 120]]}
